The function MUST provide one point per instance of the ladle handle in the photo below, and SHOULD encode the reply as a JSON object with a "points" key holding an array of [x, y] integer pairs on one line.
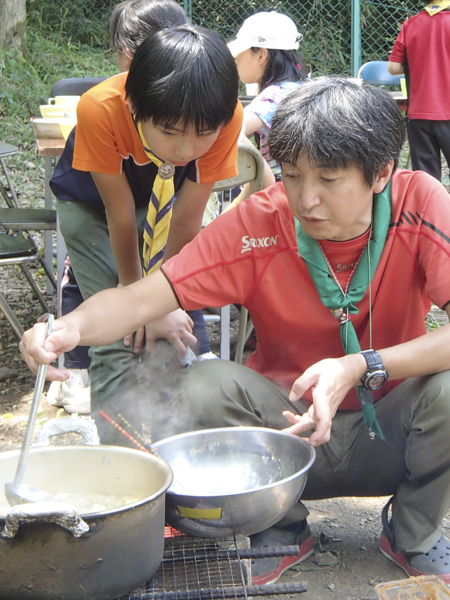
{"points": [[35, 402]]}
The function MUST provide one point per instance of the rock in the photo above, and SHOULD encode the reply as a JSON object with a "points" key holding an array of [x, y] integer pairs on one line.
{"points": [[6, 373], [327, 539], [327, 559]]}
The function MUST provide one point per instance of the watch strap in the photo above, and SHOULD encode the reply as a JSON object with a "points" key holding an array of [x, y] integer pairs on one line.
{"points": [[373, 359]]}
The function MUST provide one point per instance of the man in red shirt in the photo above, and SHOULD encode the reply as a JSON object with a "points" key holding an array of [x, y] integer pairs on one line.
{"points": [[422, 52], [343, 257]]}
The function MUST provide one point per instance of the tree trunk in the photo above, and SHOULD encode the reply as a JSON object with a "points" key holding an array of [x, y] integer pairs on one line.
{"points": [[13, 18]]}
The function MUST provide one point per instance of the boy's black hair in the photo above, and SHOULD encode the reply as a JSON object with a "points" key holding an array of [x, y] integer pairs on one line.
{"points": [[282, 65], [134, 20], [183, 76], [338, 124]]}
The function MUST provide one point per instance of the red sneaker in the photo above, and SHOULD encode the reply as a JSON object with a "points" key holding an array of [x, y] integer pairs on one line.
{"points": [[434, 562], [269, 570]]}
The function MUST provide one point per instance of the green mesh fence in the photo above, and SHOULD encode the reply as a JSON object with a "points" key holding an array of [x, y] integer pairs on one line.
{"points": [[326, 24], [380, 24]]}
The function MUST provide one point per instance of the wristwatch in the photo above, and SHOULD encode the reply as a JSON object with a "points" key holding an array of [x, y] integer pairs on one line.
{"points": [[376, 374]]}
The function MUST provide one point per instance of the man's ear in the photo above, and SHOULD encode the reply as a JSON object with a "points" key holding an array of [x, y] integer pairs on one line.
{"points": [[383, 177]]}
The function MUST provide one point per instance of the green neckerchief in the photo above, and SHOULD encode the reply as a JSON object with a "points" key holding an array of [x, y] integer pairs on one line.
{"points": [[332, 296]]}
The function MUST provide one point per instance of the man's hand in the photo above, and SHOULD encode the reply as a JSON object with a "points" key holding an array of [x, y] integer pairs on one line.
{"points": [[330, 381], [36, 349], [176, 327]]}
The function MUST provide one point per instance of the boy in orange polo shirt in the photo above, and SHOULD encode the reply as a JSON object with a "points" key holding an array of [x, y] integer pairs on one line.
{"points": [[176, 108]]}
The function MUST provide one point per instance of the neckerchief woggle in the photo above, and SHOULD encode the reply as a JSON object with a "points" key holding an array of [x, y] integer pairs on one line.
{"points": [[434, 7], [333, 297]]}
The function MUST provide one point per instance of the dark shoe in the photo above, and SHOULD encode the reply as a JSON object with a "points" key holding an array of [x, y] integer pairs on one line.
{"points": [[269, 570], [434, 562]]}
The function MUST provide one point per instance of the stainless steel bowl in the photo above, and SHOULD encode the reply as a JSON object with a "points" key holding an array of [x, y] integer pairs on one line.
{"points": [[233, 479]]}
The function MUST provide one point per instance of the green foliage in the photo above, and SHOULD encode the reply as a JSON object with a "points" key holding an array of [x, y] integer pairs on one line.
{"points": [[27, 78], [435, 318], [85, 21]]}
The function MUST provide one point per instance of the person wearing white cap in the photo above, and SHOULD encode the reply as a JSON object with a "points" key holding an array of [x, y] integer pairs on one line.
{"points": [[266, 53]]}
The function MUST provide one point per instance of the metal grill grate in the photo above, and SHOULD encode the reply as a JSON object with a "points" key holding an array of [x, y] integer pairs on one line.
{"points": [[207, 569]]}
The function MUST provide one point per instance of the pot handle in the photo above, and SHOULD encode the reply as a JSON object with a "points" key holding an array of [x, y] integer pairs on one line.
{"points": [[60, 513], [85, 427]]}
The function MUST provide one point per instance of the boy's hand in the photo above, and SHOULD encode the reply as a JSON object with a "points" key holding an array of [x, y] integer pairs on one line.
{"points": [[139, 340], [36, 349], [176, 327]]}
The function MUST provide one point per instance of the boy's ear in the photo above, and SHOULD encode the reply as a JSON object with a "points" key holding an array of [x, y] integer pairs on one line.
{"points": [[130, 106], [383, 177]]}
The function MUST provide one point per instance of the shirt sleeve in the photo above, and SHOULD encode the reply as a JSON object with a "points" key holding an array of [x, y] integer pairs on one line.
{"points": [[201, 275], [265, 104], [434, 239], [399, 49], [220, 161], [95, 143], [221, 266]]}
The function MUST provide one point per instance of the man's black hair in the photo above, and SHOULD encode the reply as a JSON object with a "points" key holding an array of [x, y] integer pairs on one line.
{"points": [[133, 20], [183, 76], [338, 124], [282, 65]]}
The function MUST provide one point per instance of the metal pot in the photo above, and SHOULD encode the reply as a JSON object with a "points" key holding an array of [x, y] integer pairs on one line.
{"points": [[48, 551], [232, 480]]}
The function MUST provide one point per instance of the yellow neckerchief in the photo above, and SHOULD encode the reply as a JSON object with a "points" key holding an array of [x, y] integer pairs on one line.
{"points": [[159, 213], [436, 6]]}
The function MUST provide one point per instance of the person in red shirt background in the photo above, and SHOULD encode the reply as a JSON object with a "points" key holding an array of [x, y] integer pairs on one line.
{"points": [[422, 52]]}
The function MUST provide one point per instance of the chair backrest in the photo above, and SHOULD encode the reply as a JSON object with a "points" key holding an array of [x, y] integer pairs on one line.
{"points": [[250, 167], [74, 86], [376, 72]]}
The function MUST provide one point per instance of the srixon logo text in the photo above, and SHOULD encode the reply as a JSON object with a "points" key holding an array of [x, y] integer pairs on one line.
{"points": [[249, 243]]}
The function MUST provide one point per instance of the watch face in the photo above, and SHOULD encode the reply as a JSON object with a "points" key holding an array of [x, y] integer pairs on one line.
{"points": [[376, 379]]}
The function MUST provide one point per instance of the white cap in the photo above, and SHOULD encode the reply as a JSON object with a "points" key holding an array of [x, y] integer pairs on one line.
{"points": [[266, 30]]}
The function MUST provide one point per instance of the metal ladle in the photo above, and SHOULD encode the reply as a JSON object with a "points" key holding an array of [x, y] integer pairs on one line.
{"points": [[17, 492]]}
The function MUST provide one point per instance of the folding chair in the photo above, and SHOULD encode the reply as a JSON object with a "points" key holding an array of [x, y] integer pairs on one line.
{"points": [[14, 218], [251, 168], [376, 72], [18, 250]]}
